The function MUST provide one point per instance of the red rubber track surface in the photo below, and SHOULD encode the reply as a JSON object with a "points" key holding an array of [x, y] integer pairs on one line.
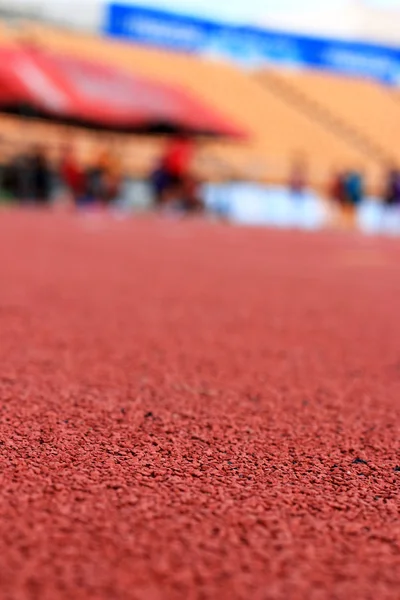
{"points": [[194, 411]]}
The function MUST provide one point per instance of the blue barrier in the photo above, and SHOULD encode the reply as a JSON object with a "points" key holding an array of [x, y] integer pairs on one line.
{"points": [[250, 46]]}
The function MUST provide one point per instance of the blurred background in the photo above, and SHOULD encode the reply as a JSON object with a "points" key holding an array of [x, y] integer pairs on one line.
{"points": [[273, 112]]}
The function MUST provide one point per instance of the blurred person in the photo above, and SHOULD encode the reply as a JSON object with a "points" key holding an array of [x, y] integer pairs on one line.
{"points": [[298, 178], [354, 195], [41, 174], [391, 199], [112, 174], [191, 201], [159, 183], [172, 180], [92, 188], [104, 166], [7, 192], [18, 176], [3, 167], [104, 178], [178, 157], [72, 175], [337, 197], [391, 195], [297, 185], [8, 179], [95, 190]]}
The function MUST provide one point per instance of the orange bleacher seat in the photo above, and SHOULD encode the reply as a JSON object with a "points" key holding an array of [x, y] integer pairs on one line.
{"points": [[365, 107], [277, 128]]}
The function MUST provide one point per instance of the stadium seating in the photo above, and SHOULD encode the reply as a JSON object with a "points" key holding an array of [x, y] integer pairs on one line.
{"points": [[317, 115], [361, 110], [278, 129]]}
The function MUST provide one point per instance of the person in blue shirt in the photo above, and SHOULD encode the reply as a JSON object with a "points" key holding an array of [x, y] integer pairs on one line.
{"points": [[354, 192]]}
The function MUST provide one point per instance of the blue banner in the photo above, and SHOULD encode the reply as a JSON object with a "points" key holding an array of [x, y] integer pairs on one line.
{"points": [[250, 46]]}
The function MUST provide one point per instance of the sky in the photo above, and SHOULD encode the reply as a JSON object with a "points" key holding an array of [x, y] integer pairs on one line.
{"points": [[240, 10], [235, 10], [333, 18], [250, 10]]}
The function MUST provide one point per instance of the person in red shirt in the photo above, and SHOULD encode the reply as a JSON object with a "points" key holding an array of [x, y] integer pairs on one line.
{"points": [[178, 158], [337, 197], [173, 181], [71, 174]]}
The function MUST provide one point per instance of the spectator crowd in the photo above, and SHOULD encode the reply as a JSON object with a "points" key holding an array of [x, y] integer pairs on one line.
{"points": [[30, 177], [348, 191]]}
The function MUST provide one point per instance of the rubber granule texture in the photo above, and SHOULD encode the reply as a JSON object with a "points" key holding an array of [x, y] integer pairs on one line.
{"points": [[193, 411]]}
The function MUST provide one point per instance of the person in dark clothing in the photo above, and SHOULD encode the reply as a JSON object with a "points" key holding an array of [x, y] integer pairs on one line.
{"points": [[391, 195], [354, 195], [354, 186], [97, 191], [160, 183], [391, 200], [19, 177], [6, 181], [40, 176]]}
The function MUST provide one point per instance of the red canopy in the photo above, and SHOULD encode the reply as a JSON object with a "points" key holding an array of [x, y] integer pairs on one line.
{"points": [[102, 95]]}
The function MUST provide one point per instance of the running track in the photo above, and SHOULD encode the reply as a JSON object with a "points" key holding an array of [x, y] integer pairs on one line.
{"points": [[194, 411]]}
